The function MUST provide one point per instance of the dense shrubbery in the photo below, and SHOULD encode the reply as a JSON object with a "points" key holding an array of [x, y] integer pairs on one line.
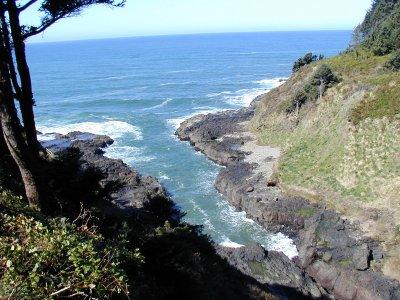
{"points": [[394, 62], [43, 257], [305, 60], [380, 30], [322, 79]]}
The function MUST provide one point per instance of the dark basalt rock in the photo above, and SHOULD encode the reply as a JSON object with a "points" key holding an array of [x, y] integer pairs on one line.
{"points": [[136, 191], [272, 268]]}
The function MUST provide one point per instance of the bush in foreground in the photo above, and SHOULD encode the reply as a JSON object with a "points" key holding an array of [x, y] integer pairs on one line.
{"points": [[43, 258]]}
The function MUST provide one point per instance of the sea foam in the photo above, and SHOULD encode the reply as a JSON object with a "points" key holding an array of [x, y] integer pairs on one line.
{"points": [[129, 154], [114, 129], [244, 97], [162, 104]]}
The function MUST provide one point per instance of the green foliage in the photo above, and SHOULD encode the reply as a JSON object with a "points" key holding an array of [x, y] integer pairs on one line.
{"points": [[322, 79], [394, 62], [380, 30], [306, 60], [41, 258], [324, 74], [54, 10]]}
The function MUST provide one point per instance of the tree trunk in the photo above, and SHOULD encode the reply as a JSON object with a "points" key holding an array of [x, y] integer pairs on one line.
{"points": [[11, 131], [7, 45], [14, 145], [26, 97]]}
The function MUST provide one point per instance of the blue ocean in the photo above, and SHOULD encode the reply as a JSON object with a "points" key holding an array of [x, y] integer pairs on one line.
{"points": [[138, 90]]}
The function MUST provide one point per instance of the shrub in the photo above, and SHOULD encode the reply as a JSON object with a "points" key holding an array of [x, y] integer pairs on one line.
{"points": [[394, 63], [325, 74], [41, 258], [322, 79], [299, 99], [306, 60]]}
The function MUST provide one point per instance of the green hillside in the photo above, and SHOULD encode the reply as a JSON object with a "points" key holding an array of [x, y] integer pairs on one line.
{"points": [[342, 146]]}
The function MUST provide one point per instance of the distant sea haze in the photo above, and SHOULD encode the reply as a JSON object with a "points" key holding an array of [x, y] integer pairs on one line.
{"points": [[138, 91]]}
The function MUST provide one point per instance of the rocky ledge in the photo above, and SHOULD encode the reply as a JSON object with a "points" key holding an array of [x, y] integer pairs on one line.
{"points": [[134, 190], [332, 250]]}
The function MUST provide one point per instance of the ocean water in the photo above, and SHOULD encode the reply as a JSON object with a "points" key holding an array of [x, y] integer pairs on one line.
{"points": [[138, 90]]}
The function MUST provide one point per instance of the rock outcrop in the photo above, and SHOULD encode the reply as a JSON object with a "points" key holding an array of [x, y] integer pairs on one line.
{"points": [[272, 268], [135, 191]]}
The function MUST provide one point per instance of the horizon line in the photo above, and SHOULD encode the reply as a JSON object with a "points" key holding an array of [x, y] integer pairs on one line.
{"points": [[179, 34]]}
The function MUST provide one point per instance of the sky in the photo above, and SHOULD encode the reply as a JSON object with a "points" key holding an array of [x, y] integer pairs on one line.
{"points": [[167, 17]]}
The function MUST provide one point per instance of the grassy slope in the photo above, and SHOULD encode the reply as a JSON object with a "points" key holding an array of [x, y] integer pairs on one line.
{"points": [[343, 149]]}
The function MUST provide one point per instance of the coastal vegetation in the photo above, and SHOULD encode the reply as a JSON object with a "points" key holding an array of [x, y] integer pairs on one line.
{"points": [[322, 79], [343, 149], [307, 59], [380, 30]]}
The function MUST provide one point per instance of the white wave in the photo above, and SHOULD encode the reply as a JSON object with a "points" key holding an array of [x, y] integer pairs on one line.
{"points": [[114, 129], [212, 95], [252, 53], [244, 97], [164, 177], [282, 243], [175, 83], [239, 220], [183, 71], [45, 137], [129, 154], [230, 215], [230, 244], [114, 77], [207, 224], [272, 83], [165, 102]]}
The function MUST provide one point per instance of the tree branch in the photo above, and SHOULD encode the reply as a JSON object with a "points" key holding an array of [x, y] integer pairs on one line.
{"points": [[41, 28], [60, 291], [26, 5]]}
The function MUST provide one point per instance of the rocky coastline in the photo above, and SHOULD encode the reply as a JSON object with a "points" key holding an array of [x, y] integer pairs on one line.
{"points": [[270, 270], [332, 250]]}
